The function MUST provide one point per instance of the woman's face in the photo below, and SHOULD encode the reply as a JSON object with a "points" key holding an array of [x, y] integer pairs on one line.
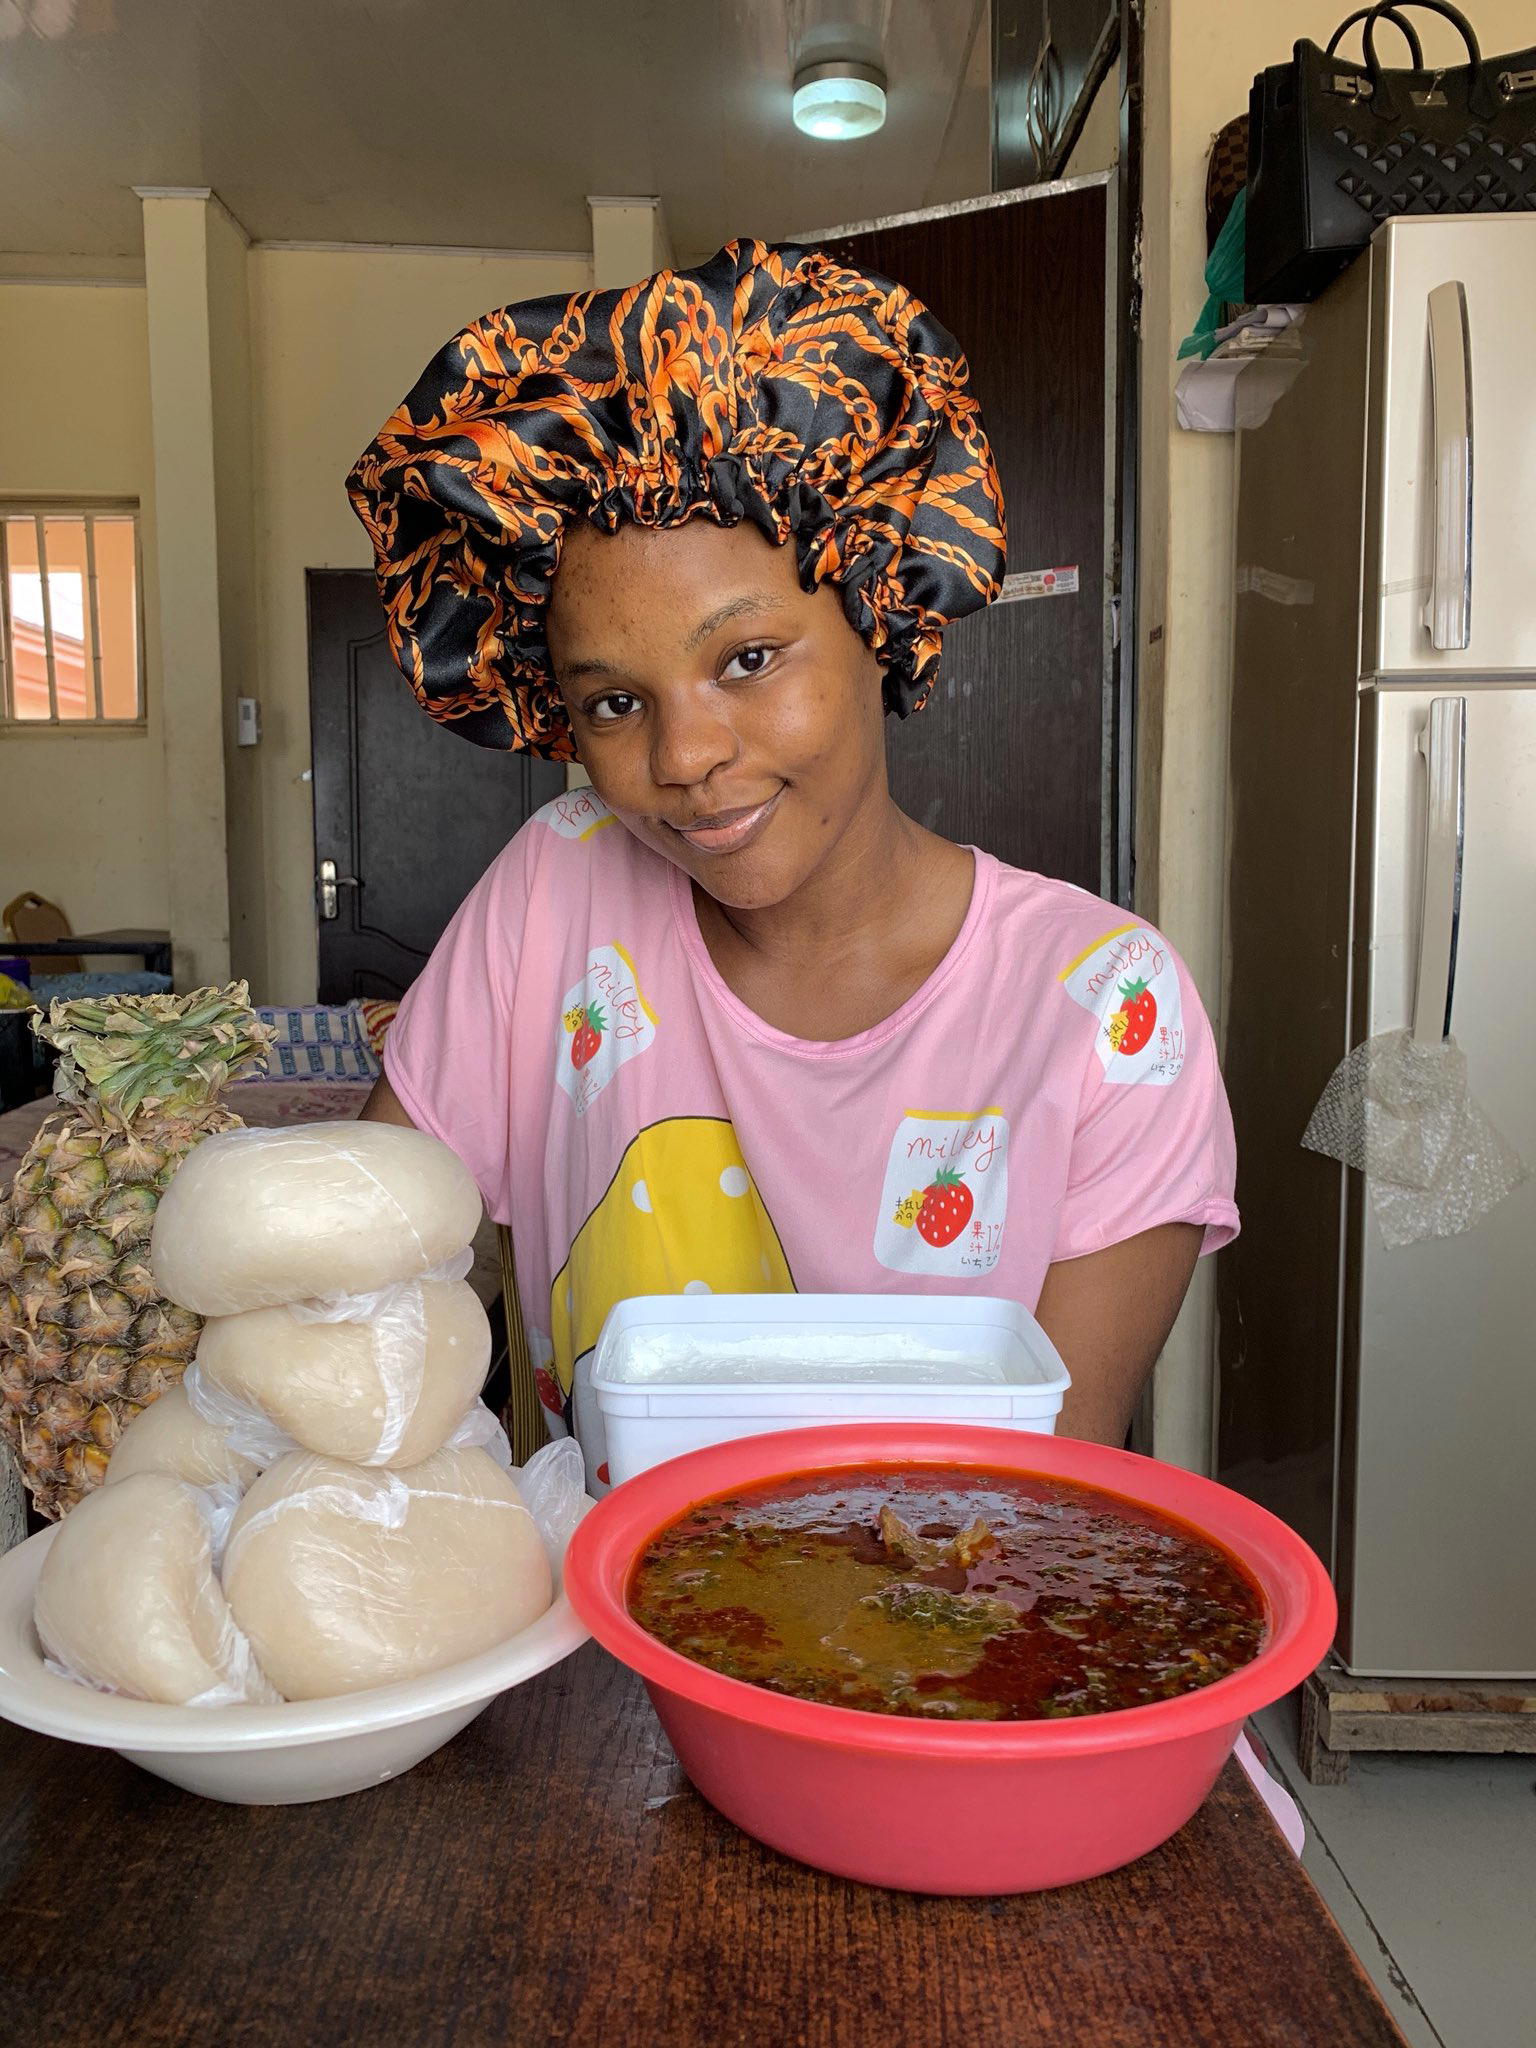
{"points": [[732, 721]]}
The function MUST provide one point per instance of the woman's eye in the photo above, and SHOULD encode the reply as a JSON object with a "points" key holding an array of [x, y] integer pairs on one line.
{"points": [[747, 661], [605, 710]]}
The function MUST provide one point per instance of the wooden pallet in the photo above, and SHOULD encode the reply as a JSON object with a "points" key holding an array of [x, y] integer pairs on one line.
{"points": [[1340, 1714]]}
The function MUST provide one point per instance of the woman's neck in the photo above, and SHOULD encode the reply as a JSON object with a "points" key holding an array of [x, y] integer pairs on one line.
{"points": [[856, 940]]}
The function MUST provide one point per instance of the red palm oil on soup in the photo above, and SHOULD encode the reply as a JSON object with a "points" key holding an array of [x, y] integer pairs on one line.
{"points": [[947, 1593]]}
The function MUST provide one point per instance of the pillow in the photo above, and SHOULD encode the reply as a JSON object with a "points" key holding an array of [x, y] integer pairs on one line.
{"points": [[374, 1018], [316, 1042]]}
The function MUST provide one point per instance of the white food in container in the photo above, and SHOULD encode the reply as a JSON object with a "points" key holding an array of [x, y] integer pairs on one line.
{"points": [[259, 1218], [294, 1750], [128, 1599], [345, 1578], [380, 1379], [672, 1373], [171, 1437]]}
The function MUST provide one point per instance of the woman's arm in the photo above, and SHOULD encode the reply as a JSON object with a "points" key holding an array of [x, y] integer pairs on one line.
{"points": [[383, 1106], [1109, 1314]]}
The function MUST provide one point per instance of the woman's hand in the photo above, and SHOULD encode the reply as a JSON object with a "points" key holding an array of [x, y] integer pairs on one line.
{"points": [[1109, 1314]]}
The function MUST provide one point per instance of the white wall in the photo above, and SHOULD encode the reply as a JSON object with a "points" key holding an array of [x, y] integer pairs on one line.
{"points": [[82, 815]]}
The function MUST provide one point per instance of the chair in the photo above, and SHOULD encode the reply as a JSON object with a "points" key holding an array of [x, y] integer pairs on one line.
{"points": [[30, 916], [523, 1414]]}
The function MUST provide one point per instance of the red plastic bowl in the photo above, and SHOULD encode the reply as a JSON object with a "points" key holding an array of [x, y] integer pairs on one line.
{"points": [[929, 1806]]}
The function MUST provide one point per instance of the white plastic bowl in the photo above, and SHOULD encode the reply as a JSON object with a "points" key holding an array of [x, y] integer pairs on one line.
{"points": [[674, 1373], [264, 1756]]}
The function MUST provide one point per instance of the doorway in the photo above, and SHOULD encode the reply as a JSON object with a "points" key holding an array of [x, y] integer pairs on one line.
{"points": [[407, 815]]}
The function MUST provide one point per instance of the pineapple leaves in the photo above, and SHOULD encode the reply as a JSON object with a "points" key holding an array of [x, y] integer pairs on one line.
{"points": [[130, 1054]]}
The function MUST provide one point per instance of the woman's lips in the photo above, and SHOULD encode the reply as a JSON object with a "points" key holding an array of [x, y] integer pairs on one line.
{"points": [[729, 831]]}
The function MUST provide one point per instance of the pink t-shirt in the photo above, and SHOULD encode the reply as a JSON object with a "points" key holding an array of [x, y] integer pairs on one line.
{"points": [[1051, 1089]]}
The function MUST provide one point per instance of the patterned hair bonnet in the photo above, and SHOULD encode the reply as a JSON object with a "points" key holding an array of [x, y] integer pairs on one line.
{"points": [[778, 385]]}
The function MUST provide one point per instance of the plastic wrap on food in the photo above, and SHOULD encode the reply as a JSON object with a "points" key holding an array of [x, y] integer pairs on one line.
{"points": [[553, 1483], [261, 1218], [1402, 1114], [481, 1430], [129, 1601], [346, 1578], [381, 1379], [170, 1436]]}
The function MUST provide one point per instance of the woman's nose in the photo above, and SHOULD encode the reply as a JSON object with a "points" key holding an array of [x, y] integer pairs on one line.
{"points": [[689, 742]]}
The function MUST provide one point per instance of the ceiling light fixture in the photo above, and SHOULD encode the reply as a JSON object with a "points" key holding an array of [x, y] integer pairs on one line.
{"points": [[838, 102]]}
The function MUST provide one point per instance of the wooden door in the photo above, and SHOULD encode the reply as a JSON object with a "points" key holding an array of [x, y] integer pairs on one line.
{"points": [[410, 814], [1011, 753]]}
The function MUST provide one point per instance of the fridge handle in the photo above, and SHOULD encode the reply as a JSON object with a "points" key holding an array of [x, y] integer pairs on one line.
{"points": [[1448, 614], [1442, 742]]}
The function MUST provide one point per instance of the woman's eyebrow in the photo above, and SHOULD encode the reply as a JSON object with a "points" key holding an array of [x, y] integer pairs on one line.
{"points": [[572, 672], [750, 604]]}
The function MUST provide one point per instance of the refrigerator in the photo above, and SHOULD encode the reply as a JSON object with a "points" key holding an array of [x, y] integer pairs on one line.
{"points": [[1382, 842]]}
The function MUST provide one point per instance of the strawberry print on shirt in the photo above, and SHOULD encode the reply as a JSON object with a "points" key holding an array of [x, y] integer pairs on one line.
{"points": [[605, 1020], [1129, 981], [945, 1197]]}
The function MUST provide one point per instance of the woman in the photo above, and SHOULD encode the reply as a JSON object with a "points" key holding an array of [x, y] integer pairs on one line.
{"points": [[729, 1020]]}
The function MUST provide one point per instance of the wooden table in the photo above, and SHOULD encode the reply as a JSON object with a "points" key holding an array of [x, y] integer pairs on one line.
{"points": [[550, 1878]]}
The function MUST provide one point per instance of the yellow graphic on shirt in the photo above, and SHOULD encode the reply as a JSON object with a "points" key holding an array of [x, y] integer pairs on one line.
{"points": [[681, 1216]]}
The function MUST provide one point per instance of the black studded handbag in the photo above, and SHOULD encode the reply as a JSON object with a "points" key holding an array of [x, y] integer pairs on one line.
{"points": [[1335, 148]]}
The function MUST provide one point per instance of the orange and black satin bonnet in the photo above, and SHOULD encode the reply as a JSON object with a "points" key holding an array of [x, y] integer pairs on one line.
{"points": [[777, 385]]}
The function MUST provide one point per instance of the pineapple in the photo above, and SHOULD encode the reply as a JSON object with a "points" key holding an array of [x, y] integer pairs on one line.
{"points": [[85, 1340]]}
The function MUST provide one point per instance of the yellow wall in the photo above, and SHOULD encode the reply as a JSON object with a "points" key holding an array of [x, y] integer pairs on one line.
{"points": [[1098, 144], [338, 338], [82, 816]]}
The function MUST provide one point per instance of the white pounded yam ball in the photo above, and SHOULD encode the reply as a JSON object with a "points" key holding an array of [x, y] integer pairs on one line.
{"points": [[128, 1599], [335, 1387], [345, 1578], [171, 1437], [253, 1219]]}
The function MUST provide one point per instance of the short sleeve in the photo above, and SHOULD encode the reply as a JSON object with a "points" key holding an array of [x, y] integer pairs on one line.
{"points": [[448, 1056], [1153, 1141]]}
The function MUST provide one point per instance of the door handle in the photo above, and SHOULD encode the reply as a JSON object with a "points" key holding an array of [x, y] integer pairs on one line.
{"points": [[1448, 613], [1442, 742], [330, 882]]}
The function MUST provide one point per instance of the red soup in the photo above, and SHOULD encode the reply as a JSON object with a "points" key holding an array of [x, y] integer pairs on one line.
{"points": [[947, 1592]]}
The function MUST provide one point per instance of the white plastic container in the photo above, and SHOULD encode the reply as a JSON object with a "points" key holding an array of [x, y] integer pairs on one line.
{"points": [[672, 1373]]}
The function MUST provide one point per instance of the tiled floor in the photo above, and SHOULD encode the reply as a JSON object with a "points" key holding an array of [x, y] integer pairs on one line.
{"points": [[1428, 1863]]}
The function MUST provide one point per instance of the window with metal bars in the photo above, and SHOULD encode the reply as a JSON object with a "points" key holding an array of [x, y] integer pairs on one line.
{"points": [[71, 632]]}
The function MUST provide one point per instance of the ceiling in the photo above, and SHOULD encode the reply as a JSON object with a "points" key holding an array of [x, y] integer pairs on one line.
{"points": [[472, 123]]}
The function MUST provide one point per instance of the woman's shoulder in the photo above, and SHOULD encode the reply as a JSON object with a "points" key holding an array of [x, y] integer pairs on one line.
{"points": [[1080, 954], [1046, 917], [570, 834]]}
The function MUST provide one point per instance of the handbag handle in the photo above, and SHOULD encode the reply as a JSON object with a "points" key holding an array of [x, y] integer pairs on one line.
{"points": [[1383, 100], [1398, 21]]}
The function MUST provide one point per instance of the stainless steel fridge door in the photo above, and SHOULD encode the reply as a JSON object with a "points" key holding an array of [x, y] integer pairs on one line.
{"points": [[1450, 566], [1437, 1496]]}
